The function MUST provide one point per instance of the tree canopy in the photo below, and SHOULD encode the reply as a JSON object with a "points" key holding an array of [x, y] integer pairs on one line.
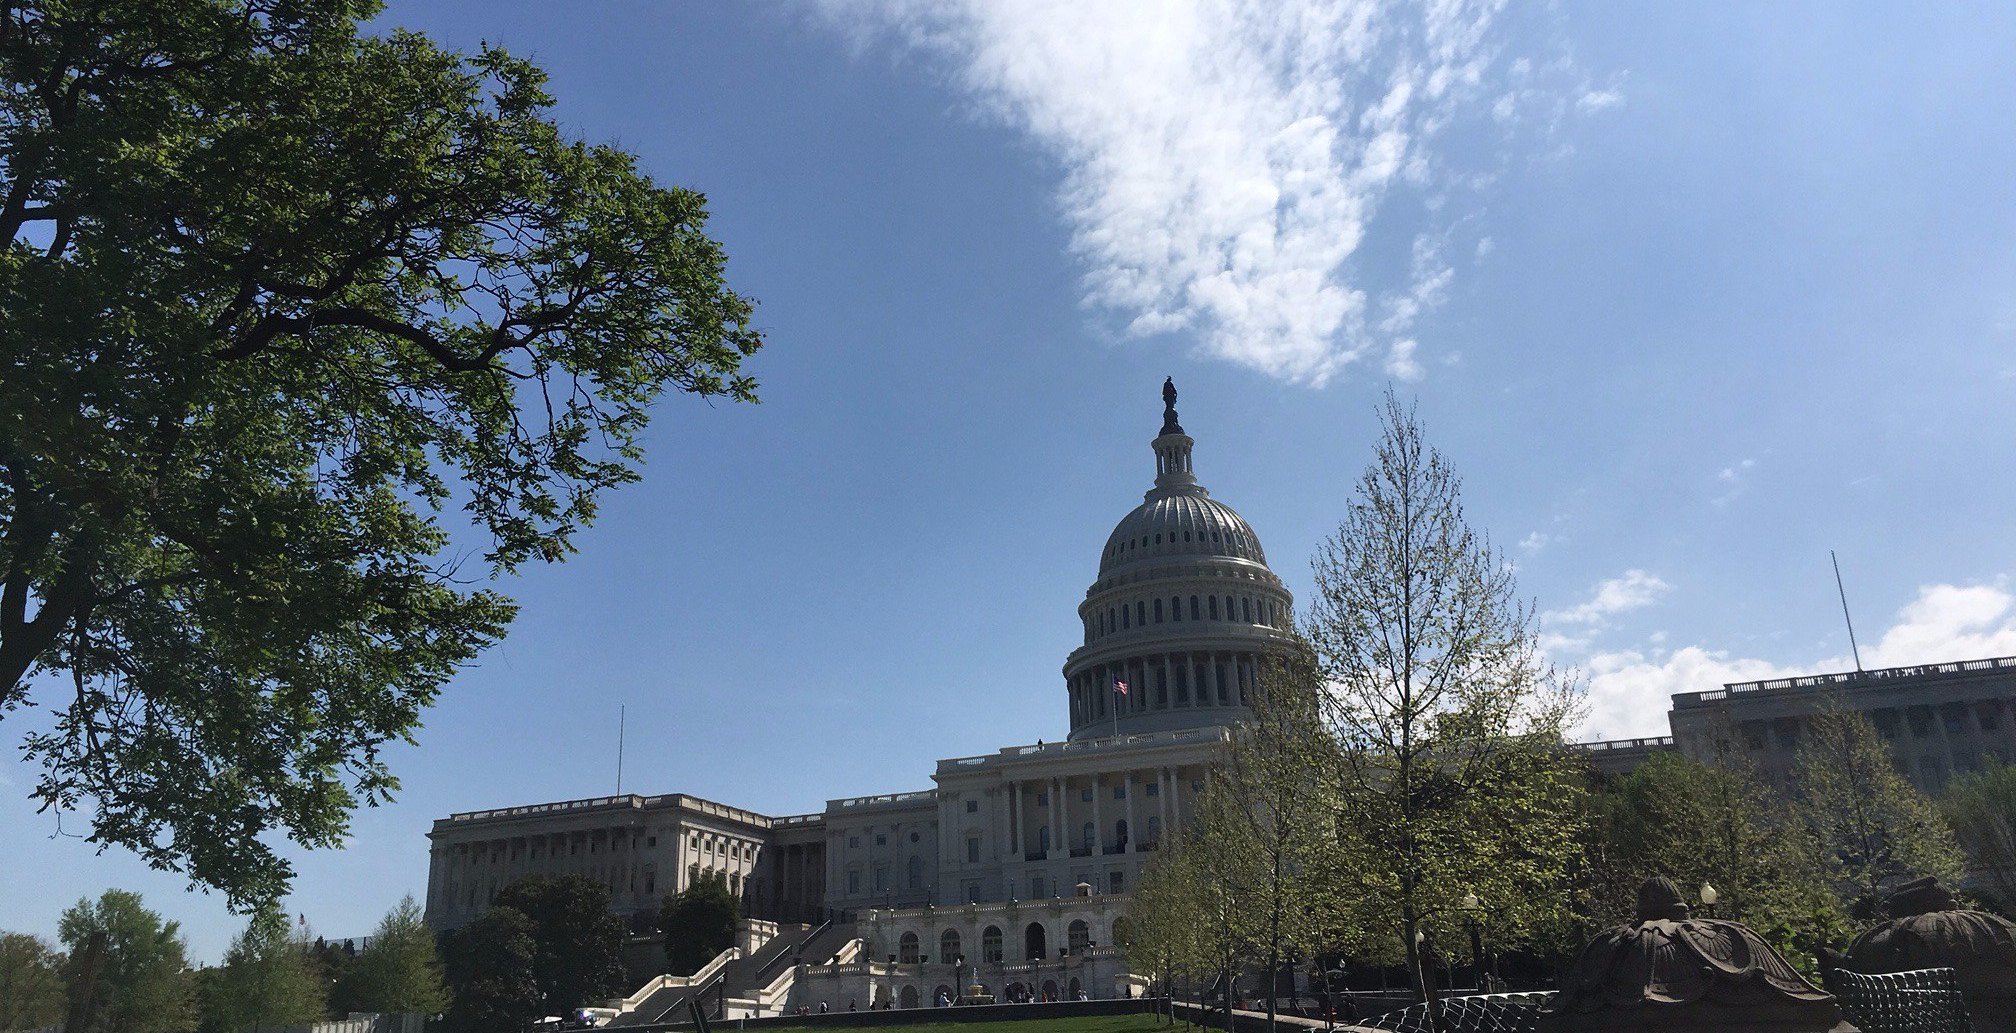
{"points": [[269, 980], [31, 982], [1874, 829], [398, 970], [277, 293], [1981, 807], [699, 923], [489, 965], [127, 969], [578, 940]]}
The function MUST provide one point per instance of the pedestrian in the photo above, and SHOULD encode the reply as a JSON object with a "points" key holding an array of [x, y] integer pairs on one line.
{"points": [[850, 1004]]}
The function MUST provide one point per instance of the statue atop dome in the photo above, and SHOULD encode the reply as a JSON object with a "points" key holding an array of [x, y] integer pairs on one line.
{"points": [[1169, 424]]}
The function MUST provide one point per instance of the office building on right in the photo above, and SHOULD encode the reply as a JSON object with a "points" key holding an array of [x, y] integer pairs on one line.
{"points": [[1940, 719]]}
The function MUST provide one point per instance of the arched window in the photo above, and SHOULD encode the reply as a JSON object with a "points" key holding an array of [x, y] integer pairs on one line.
{"points": [[906, 949], [908, 998], [1158, 610], [1246, 604], [1125, 618], [948, 945], [1079, 936], [1091, 838], [1140, 612], [916, 872], [990, 945], [1193, 608], [1214, 607], [1035, 945], [1176, 608]]}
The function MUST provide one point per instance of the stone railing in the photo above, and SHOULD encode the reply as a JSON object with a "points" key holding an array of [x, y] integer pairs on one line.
{"points": [[1093, 745], [705, 973], [1847, 678]]}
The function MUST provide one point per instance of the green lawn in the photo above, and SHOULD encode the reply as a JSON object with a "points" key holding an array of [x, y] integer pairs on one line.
{"points": [[1082, 1024]]}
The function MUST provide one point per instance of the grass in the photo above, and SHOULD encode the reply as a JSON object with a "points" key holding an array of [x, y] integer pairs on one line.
{"points": [[1080, 1024]]}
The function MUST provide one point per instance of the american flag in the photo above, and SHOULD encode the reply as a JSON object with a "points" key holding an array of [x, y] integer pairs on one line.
{"points": [[1119, 686]]}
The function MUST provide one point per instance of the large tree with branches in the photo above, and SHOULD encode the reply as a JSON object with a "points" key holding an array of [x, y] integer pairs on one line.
{"points": [[274, 295], [1451, 780]]}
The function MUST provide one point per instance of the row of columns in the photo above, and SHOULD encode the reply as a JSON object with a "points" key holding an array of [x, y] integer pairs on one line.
{"points": [[1057, 819], [1161, 682]]}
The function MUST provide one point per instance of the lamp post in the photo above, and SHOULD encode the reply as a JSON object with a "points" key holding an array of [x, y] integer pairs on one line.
{"points": [[1709, 898], [1472, 907]]}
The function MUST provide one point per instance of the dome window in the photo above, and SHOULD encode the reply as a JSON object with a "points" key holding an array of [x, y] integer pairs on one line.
{"points": [[1214, 607], [1175, 608], [1158, 539], [1193, 609], [1158, 611], [1186, 536]]}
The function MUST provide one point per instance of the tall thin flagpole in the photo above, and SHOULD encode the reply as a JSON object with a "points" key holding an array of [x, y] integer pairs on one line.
{"points": [[1850, 621], [622, 715], [1113, 689]]}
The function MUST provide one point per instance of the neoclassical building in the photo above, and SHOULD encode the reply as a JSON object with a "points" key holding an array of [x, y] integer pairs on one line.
{"points": [[1018, 858]]}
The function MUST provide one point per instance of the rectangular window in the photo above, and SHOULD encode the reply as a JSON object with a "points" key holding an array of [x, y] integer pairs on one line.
{"points": [[1116, 882], [650, 882], [972, 893], [1036, 888], [881, 839], [651, 841], [1120, 791], [1042, 799], [972, 806], [1155, 789], [881, 879], [854, 882], [1085, 795], [853, 842], [972, 849]]}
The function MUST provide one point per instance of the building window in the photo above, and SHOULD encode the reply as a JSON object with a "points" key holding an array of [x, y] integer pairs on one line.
{"points": [[1078, 935], [881, 878], [990, 944], [1116, 882], [1085, 795], [972, 893], [853, 842], [1036, 887], [1091, 837], [1158, 610], [1140, 612], [1120, 791], [972, 849], [948, 945], [1176, 609], [916, 873], [1042, 799], [906, 949], [881, 839], [854, 880], [972, 806], [1214, 607], [650, 882], [1125, 617], [1153, 789], [650, 841]]}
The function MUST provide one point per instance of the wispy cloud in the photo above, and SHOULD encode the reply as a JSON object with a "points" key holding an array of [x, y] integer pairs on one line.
{"points": [[1223, 160], [1632, 590], [1534, 542], [1630, 691], [1732, 478]]}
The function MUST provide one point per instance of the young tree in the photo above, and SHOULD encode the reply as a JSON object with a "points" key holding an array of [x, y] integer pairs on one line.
{"points": [[1874, 829], [699, 923], [1263, 816], [268, 981], [490, 966], [1981, 807], [398, 971], [254, 349], [1181, 922], [127, 970], [31, 982], [1448, 766], [578, 940]]}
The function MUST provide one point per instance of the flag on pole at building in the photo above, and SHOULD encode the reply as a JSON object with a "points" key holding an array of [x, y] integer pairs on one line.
{"points": [[1119, 686]]}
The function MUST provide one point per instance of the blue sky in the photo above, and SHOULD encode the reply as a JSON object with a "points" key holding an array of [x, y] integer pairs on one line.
{"points": [[1690, 293]]}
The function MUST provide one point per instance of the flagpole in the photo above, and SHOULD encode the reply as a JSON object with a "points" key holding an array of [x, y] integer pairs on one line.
{"points": [[1114, 690]]}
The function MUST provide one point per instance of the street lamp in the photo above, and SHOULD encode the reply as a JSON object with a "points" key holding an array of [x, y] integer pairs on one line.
{"points": [[1708, 899], [1472, 907]]}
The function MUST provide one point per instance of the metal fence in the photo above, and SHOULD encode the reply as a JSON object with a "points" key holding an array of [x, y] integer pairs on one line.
{"points": [[1923, 1001]]}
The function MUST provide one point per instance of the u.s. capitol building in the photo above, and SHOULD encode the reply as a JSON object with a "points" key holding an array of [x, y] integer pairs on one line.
{"points": [[1011, 871], [1025, 853]]}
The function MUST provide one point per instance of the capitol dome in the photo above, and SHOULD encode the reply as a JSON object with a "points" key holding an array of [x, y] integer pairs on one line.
{"points": [[1184, 611]]}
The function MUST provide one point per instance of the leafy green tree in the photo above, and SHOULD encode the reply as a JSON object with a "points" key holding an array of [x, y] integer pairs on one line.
{"points": [[579, 940], [398, 971], [127, 969], [699, 923], [1712, 823], [269, 980], [1447, 766], [1264, 818], [1874, 828], [31, 982], [490, 966], [277, 294], [1981, 808], [1182, 922]]}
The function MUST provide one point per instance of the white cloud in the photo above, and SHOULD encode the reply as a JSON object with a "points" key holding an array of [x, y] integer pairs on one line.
{"points": [[1630, 692], [1400, 361], [1597, 100], [1634, 589], [1223, 160], [1534, 542], [1732, 478]]}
